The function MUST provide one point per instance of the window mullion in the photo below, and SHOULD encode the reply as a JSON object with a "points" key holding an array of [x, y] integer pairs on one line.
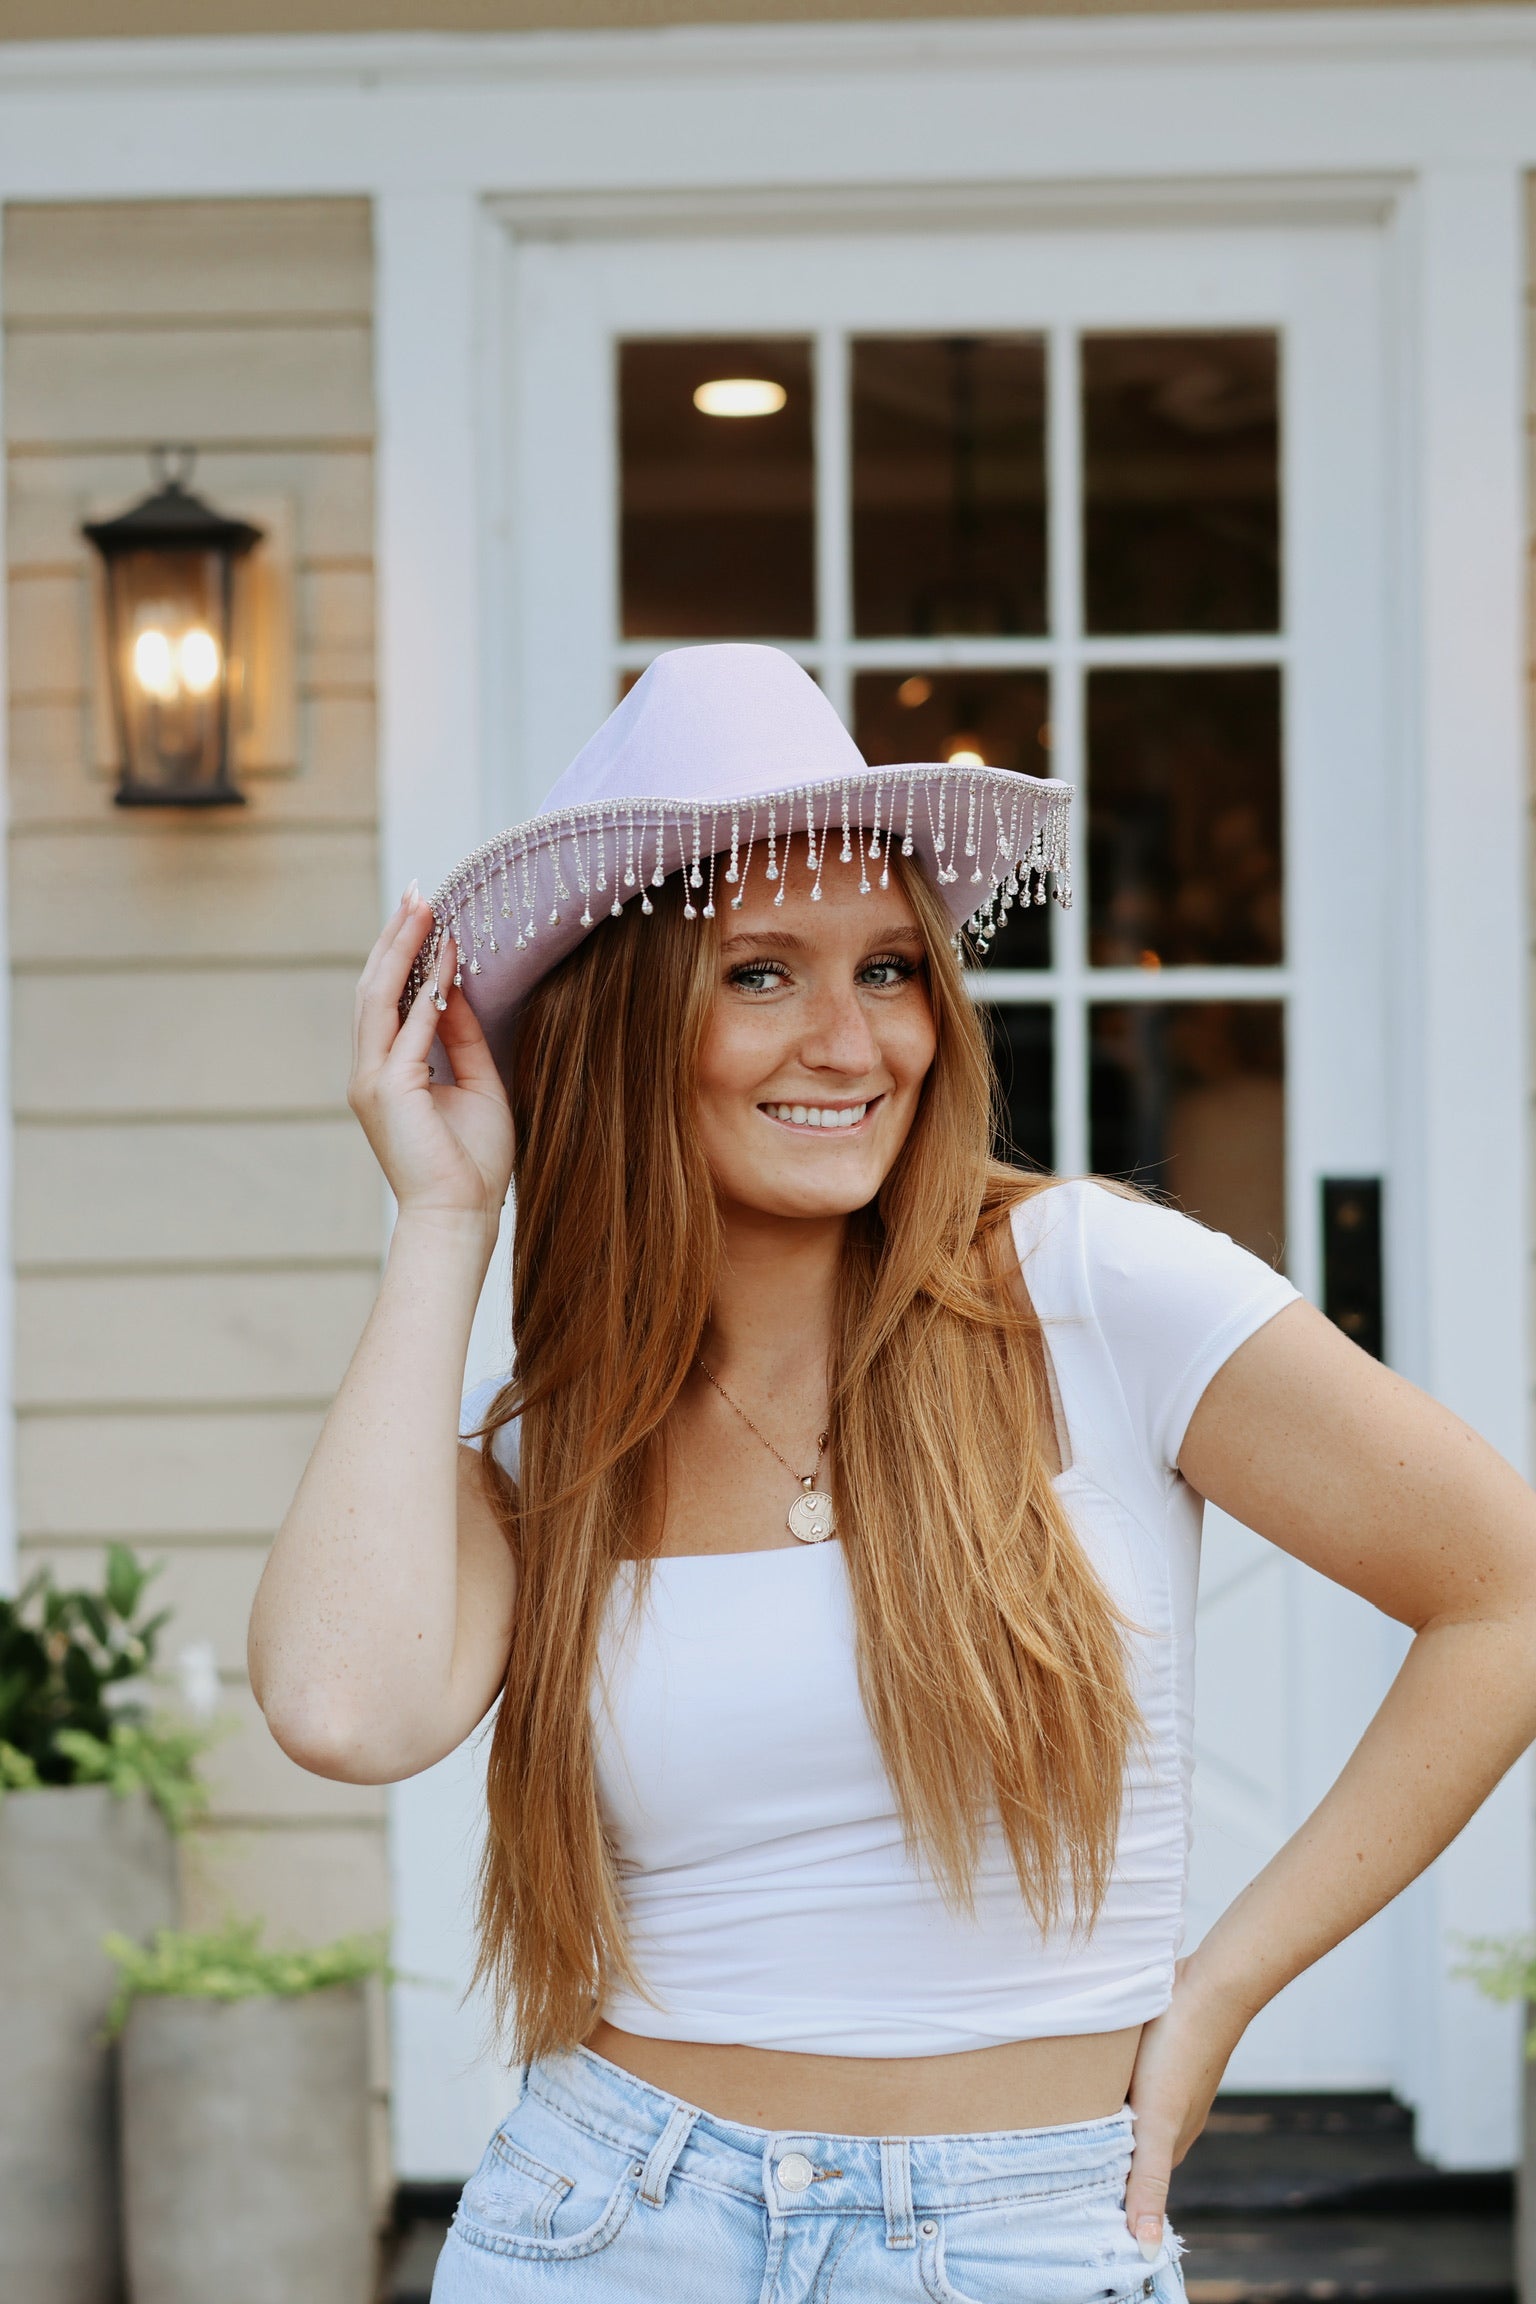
{"points": [[834, 517], [1068, 941]]}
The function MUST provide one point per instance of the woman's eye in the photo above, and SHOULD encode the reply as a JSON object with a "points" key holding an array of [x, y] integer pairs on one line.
{"points": [[759, 975], [883, 973], [891, 968]]}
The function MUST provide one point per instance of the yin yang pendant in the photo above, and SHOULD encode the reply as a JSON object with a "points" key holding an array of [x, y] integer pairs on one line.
{"points": [[811, 1517]]}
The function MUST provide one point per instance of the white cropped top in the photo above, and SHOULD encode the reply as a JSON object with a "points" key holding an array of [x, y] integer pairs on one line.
{"points": [[771, 1899]]}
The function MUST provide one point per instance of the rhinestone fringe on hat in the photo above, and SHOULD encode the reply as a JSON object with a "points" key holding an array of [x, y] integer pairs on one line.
{"points": [[1005, 835]]}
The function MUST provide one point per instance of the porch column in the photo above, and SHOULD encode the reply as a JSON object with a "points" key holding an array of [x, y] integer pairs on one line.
{"points": [[1462, 1227], [428, 258]]}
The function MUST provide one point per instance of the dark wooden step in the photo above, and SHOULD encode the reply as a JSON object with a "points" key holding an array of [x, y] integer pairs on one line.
{"points": [[411, 2260], [1323, 2199], [1296, 2258], [1263, 2153], [420, 2222]]}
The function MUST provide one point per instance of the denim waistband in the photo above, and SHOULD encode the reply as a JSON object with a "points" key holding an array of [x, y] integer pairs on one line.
{"points": [[798, 2171]]}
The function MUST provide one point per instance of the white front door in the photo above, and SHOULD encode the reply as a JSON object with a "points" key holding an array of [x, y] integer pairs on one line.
{"points": [[1111, 504]]}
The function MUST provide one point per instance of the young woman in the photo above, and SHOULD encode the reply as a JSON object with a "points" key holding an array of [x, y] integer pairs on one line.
{"points": [[831, 1550]]}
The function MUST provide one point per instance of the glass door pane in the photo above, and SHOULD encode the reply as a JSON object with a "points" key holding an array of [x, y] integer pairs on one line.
{"points": [[1022, 1034], [1002, 718], [1187, 1099], [717, 489], [1184, 818], [949, 493], [1181, 483]]}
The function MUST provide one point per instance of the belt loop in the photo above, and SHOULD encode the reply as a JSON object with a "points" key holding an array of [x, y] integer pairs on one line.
{"points": [[664, 2152], [896, 2185]]}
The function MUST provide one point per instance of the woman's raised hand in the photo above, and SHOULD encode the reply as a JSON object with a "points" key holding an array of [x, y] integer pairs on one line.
{"points": [[446, 1150]]}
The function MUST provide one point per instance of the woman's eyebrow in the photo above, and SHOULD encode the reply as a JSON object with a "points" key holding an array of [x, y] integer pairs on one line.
{"points": [[770, 939], [784, 939]]}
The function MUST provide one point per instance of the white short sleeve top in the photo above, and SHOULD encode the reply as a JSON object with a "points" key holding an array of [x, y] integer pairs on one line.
{"points": [[771, 1897]]}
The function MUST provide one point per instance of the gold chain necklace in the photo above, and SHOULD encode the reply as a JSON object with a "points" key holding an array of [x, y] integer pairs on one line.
{"points": [[811, 1518]]}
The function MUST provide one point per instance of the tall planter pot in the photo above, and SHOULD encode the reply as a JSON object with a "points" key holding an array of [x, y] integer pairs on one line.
{"points": [[1525, 2174], [74, 1863], [245, 2150]]}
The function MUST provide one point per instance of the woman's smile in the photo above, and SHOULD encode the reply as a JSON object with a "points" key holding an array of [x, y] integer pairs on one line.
{"points": [[821, 1119]]}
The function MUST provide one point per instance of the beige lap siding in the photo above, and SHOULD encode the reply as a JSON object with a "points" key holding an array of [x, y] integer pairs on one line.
{"points": [[198, 1221]]}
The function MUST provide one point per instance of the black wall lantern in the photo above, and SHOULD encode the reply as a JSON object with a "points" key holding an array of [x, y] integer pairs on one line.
{"points": [[170, 569]]}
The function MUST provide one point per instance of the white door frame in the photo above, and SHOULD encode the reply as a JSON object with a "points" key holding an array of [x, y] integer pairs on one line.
{"points": [[1423, 117]]}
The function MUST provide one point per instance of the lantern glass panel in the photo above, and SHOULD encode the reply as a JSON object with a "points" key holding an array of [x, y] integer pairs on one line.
{"points": [[169, 615]]}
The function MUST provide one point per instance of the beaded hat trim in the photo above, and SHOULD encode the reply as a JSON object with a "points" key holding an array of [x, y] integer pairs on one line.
{"points": [[988, 834], [722, 760]]}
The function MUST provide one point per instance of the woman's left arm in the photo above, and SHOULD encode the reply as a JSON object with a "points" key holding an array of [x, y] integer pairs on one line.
{"points": [[1345, 1465]]}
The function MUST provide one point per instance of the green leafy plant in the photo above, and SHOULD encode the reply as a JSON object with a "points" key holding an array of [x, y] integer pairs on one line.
{"points": [[154, 1756], [232, 1963], [17, 1772], [1505, 1968], [74, 1692]]}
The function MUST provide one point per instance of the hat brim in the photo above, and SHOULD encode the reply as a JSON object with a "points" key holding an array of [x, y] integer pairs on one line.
{"points": [[521, 903]]}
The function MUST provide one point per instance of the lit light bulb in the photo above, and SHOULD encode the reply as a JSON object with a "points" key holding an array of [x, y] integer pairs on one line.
{"points": [[198, 658], [963, 754], [914, 691], [739, 396], [152, 665]]}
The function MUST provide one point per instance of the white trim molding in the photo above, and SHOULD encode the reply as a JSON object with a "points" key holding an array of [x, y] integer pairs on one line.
{"points": [[429, 532], [1119, 99], [1503, 32]]}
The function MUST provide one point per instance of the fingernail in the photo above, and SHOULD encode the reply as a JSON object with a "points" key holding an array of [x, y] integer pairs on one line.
{"points": [[1149, 2237], [412, 895]]}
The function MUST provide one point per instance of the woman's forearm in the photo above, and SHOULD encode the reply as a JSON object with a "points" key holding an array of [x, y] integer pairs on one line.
{"points": [[1459, 1713], [353, 1629], [1309, 1441]]}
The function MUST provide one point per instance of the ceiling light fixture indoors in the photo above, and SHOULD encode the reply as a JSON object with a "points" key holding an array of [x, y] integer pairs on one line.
{"points": [[739, 396]]}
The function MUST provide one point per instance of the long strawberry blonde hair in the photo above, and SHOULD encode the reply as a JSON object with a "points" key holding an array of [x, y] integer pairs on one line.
{"points": [[991, 1660]]}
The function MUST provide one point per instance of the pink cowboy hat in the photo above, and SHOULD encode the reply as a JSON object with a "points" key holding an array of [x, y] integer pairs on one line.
{"points": [[721, 761]]}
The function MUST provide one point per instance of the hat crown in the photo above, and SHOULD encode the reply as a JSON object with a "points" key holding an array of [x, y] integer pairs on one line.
{"points": [[709, 724]]}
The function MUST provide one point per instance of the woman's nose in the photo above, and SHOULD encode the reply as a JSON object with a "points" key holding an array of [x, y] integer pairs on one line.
{"points": [[838, 1038]]}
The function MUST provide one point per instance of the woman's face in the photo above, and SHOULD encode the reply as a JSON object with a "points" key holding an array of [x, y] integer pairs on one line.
{"points": [[816, 1047]]}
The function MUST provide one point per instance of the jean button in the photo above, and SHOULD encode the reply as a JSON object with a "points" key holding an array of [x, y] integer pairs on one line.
{"points": [[794, 2172]]}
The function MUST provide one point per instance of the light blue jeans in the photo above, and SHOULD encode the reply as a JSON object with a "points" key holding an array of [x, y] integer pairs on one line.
{"points": [[599, 2186]]}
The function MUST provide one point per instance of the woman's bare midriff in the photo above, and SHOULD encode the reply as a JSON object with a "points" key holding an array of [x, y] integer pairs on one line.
{"points": [[1022, 2084]]}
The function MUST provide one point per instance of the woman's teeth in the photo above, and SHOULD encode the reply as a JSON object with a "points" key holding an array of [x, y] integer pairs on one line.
{"points": [[818, 1115]]}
